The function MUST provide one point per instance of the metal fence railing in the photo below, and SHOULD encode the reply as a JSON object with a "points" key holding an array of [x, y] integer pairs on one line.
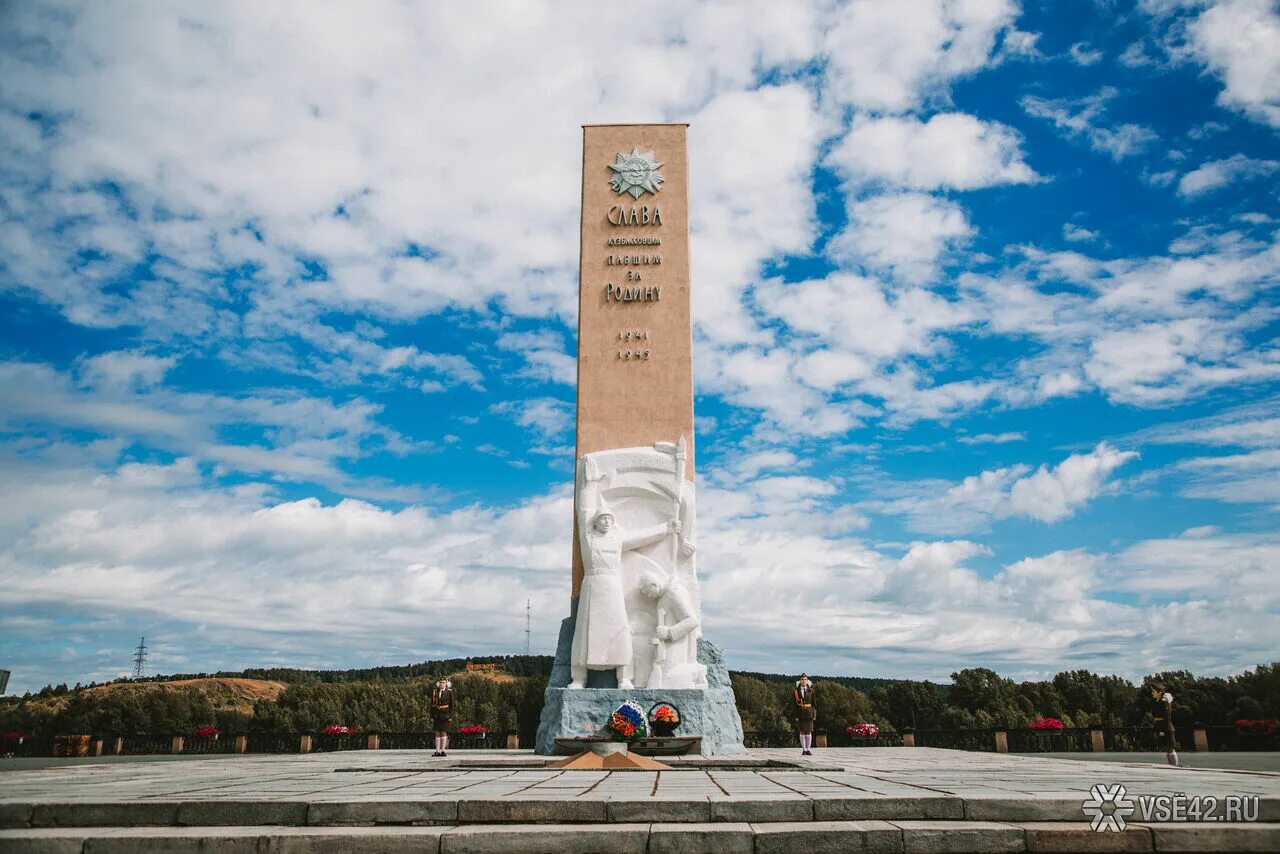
{"points": [[957, 739], [1234, 738], [324, 743], [211, 746], [1071, 740], [1127, 739], [886, 738], [27, 745], [1020, 740], [136, 744], [271, 742]]}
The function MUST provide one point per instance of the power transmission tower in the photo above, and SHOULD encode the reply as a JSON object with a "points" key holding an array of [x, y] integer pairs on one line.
{"points": [[528, 623], [139, 658]]}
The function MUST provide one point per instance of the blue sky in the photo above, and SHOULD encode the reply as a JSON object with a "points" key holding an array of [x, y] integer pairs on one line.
{"points": [[985, 347]]}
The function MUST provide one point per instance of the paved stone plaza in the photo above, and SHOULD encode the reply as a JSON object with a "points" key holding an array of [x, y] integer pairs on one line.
{"points": [[875, 799]]}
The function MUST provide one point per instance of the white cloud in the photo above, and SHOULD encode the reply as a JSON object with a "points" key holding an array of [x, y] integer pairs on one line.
{"points": [[935, 574], [543, 354], [1082, 118], [892, 56], [1056, 588], [1238, 569], [906, 235], [1135, 56], [1249, 426], [125, 369], [950, 150], [1082, 54], [1249, 478], [138, 544], [1239, 40], [1053, 494], [751, 198], [353, 160], [1155, 363], [859, 316], [291, 436], [1219, 173], [1046, 494], [546, 417], [992, 438], [1077, 234]]}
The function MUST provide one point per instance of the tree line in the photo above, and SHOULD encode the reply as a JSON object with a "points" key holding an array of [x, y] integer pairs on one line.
{"points": [[979, 698], [396, 699]]}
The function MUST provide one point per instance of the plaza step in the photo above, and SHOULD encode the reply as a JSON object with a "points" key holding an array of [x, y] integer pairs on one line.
{"points": [[812, 837], [548, 809]]}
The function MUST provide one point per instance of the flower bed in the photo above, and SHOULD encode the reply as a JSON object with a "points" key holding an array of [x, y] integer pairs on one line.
{"points": [[339, 729], [474, 730], [1256, 727], [863, 730], [1046, 724]]}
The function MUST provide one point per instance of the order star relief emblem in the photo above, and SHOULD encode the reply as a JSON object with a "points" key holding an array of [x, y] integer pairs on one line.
{"points": [[635, 173]]}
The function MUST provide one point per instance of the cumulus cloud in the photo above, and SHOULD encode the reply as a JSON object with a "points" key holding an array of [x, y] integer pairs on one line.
{"points": [[1053, 494], [1219, 173], [304, 150], [545, 417], [861, 316], [128, 369], [1077, 234], [1047, 494], [751, 198], [906, 235], [137, 544], [950, 150], [1239, 40], [890, 57]]}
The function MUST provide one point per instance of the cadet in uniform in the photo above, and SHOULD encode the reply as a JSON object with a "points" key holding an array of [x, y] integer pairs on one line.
{"points": [[806, 711], [442, 714], [1162, 715]]}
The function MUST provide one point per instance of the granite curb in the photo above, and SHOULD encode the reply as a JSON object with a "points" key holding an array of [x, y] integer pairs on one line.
{"points": [[813, 837], [566, 809]]}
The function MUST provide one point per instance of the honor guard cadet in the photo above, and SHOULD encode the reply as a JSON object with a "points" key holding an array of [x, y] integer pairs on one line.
{"points": [[806, 712], [442, 714]]}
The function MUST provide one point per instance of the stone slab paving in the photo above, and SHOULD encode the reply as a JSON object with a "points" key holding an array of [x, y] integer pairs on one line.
{"points": [[899, 837], [872, 799]]}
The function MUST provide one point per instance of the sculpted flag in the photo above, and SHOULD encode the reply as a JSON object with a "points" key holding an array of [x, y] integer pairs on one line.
{"points": [[640, 576]]}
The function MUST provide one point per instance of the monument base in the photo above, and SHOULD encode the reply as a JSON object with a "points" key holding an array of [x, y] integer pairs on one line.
{"points": [[708, 712]]}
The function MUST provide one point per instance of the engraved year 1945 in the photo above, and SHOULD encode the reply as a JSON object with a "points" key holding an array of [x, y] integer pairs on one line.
{"points": [[636, 344]]}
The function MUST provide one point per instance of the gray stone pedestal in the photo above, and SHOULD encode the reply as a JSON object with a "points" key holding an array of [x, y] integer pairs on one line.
{"points": [[710, 712]]}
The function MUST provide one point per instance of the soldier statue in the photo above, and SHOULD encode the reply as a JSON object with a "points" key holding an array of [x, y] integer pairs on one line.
{"points": [[602, 632]]}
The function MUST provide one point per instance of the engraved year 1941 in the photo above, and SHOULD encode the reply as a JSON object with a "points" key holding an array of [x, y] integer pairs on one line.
{"points": [[636, 344]]}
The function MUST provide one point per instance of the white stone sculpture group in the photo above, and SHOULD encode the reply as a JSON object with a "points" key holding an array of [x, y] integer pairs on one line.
{"points": [[639, 604]]}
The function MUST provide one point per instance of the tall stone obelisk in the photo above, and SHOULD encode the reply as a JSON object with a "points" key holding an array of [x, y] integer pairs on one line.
{"points": [[635, 627], [635, 328]]}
